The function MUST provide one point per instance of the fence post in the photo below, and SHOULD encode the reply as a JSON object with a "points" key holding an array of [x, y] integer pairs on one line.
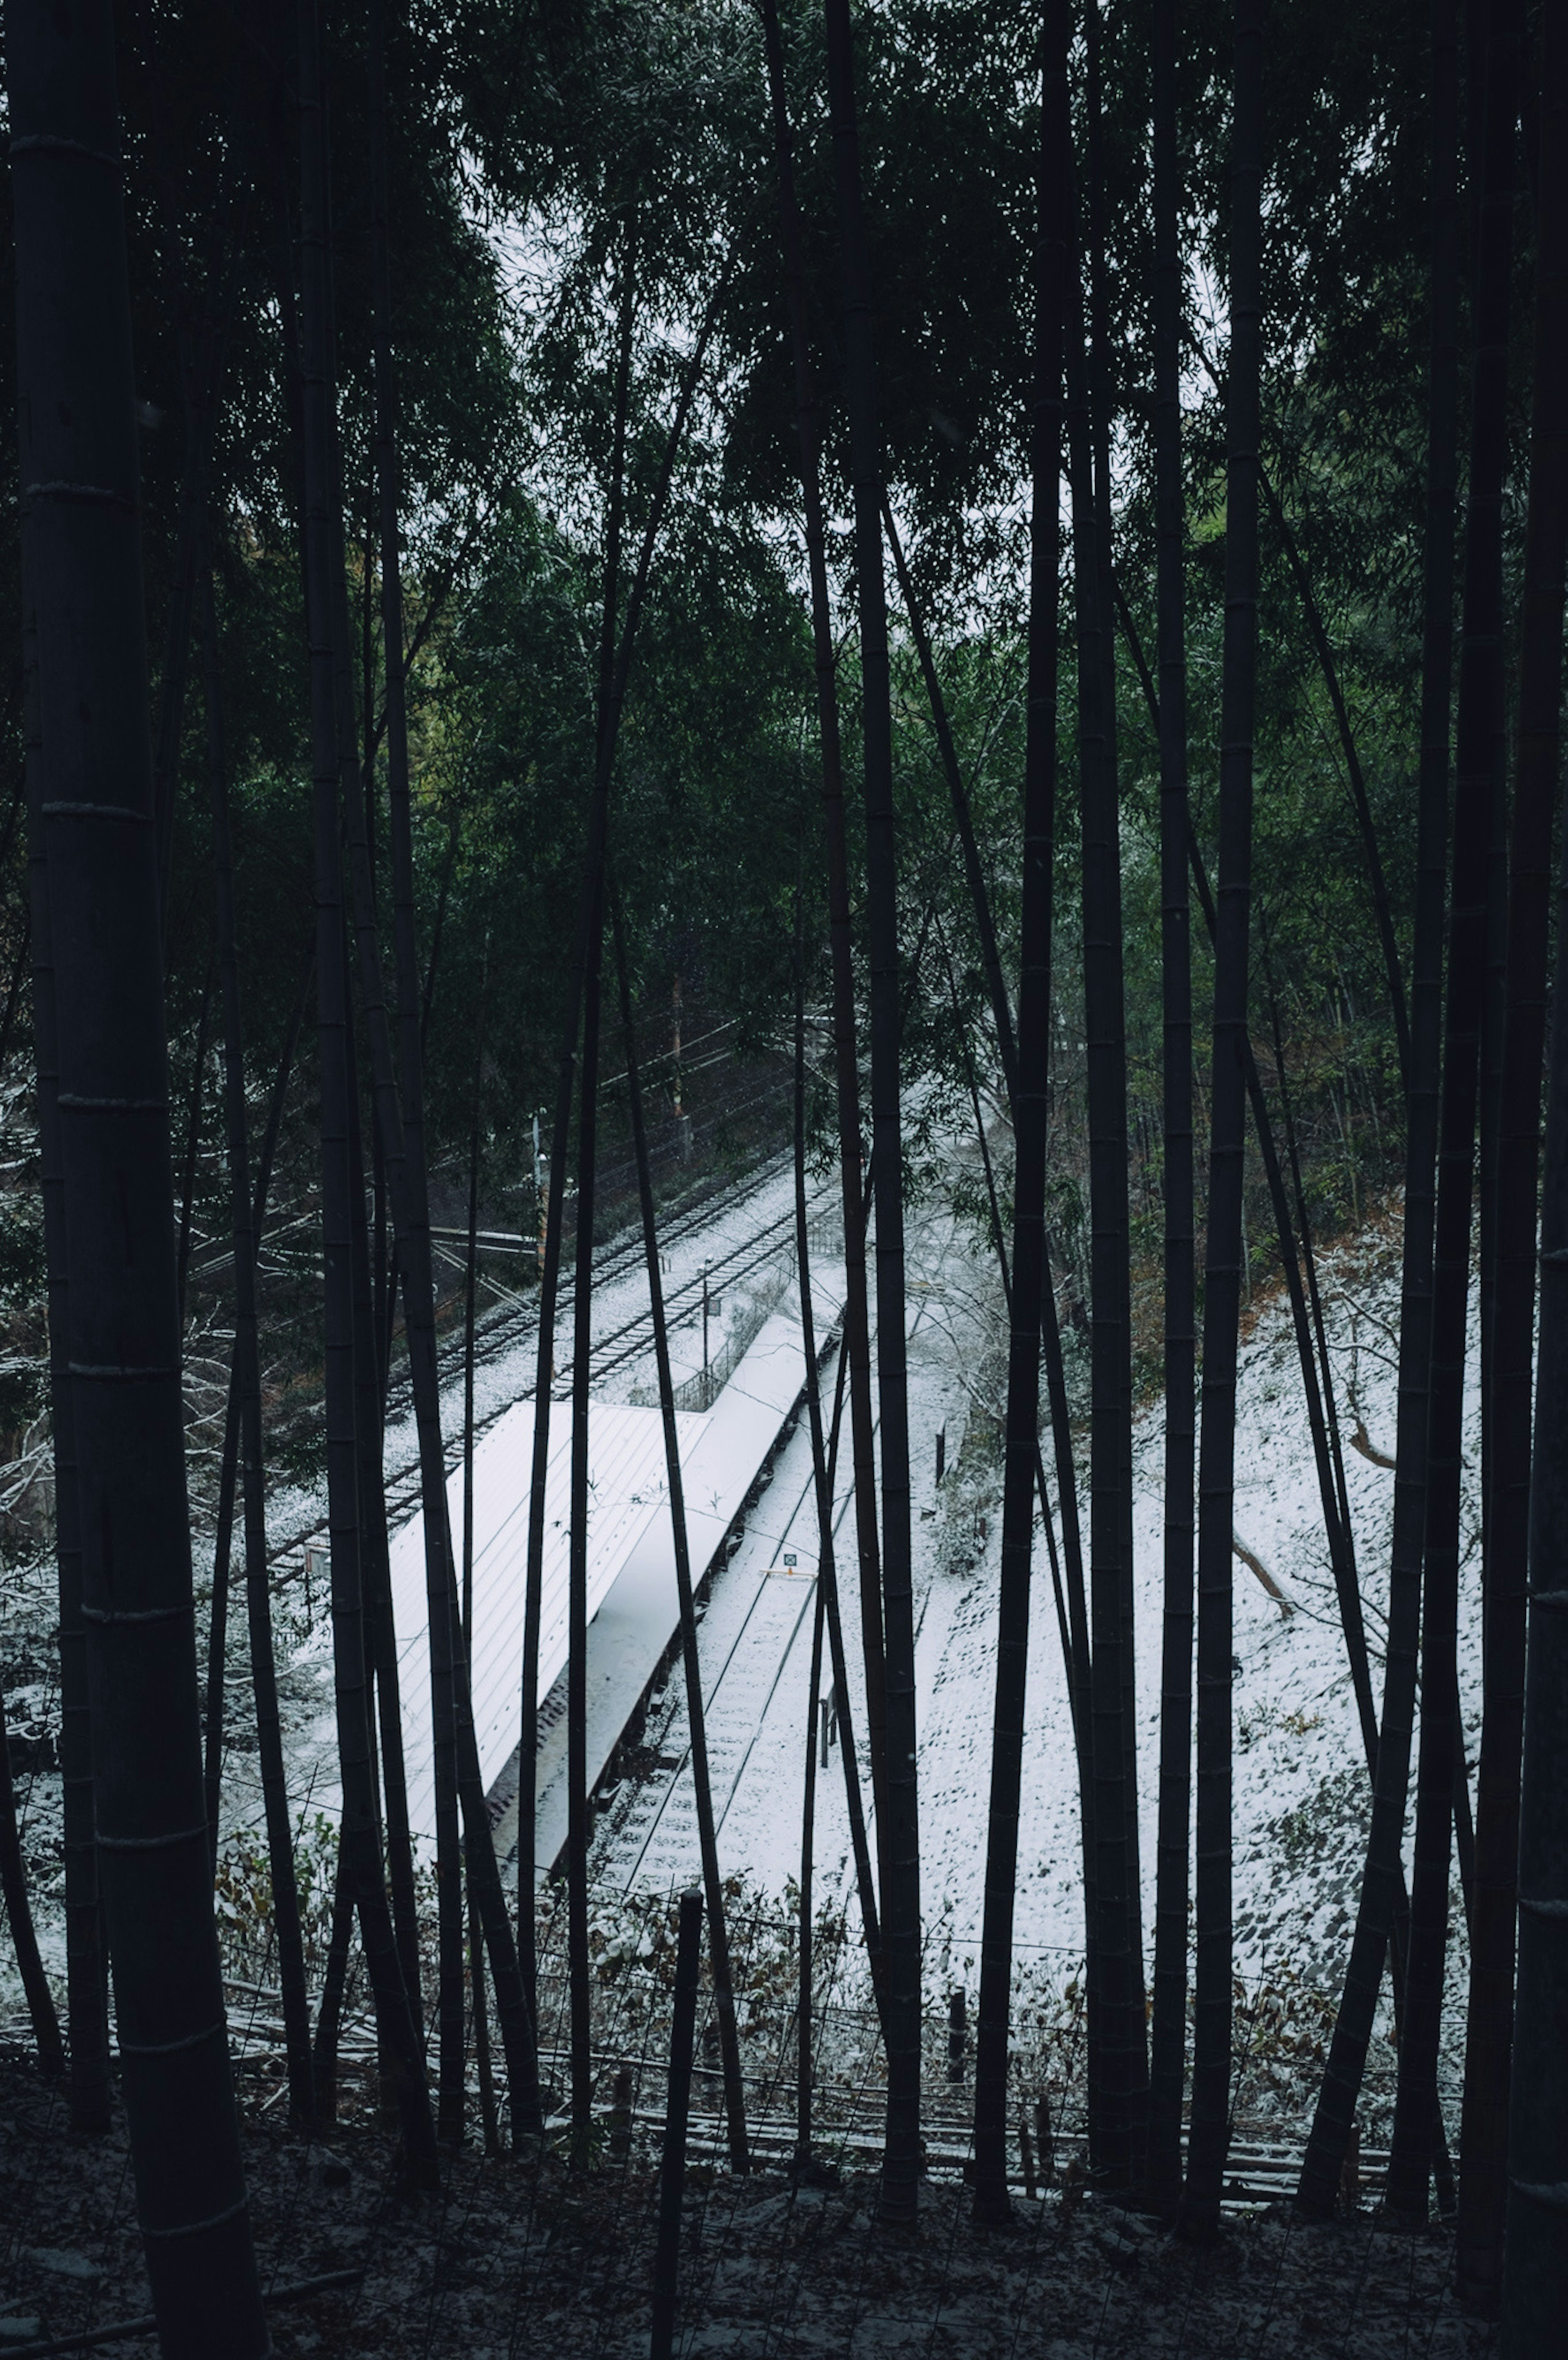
{"points": [[957, 2034], [673, 2168]]}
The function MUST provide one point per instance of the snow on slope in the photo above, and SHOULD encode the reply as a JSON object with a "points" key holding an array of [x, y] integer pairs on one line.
{"points": [[1301, 1783]]}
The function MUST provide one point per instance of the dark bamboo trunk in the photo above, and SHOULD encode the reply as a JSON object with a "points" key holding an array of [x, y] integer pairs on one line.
{"points": [[360, 1829], [899, 1814], [1383, 1874], [376, 1584], [87, 1993], [588, 926], [1535, 2252], [1480, 754], [1210, 2131], [1483, 2132], [247, 1371], [488, 2116], [856, 1314], [823, 1471], [228, 1478], [702, 1786], [804, 2008], [458, 1782], [329, 2012], [1110, 1213], [1072, 1626], [1167, 2040], [1001, 1017], [578, 1803], [1113, 1983], [91, 799], [1029, 1273]]}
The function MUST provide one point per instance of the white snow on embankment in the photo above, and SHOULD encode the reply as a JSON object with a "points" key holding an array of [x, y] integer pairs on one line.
{"points": [[1301, 1788], [1301, 1783]]}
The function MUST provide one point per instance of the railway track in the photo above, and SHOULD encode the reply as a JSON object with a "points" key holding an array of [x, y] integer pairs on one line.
{"points": [[516, 1319]]}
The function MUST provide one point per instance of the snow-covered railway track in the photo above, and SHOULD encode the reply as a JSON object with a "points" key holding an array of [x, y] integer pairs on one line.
{"points": [[761, 1639], [630, 1340]]}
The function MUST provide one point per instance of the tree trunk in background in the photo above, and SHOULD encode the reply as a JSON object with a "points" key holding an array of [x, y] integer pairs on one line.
{"points": [[1030, 1118], [1484, 2136], [577, 1798], [360, 1834], [217, 1635], [899, 1811], [1210, 2131], [1168, 2047], [588, 928], [1480, 759], [248, 1370], [702, 1789], [86, 1967], [1106, 1039], [376, 1589], [90, 795], [1383, 1872], [856, 1312], [1001, 1017], [1112, 1982]]}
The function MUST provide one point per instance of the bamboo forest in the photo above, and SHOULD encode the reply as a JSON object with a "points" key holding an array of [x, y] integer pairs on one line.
{"points": [[784, 1180]]}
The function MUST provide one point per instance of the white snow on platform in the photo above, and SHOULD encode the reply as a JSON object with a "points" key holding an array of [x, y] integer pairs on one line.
{"points": [[628, 1494], [631, 1562]]}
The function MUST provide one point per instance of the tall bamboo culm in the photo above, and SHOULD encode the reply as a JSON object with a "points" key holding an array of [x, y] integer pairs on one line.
{"points": [[247, 1370], [702, 1786], [899, 1814], [1167, 2044], [1029, 1271], [1210, 2131], [846, 1066], [1535, 2252], [89, 762], [1383, 1872], [359, 1835], [1484, 2126], [1479, 789]]}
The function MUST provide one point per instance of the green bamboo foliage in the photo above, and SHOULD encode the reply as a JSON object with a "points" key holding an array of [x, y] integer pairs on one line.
{"points": [[91, 799]]}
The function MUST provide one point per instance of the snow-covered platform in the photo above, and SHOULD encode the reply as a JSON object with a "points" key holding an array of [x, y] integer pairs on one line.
{"points": [[632, 1604]]}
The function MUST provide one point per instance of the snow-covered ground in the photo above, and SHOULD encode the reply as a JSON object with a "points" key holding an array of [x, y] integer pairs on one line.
{"points": [[1300, 1784]]}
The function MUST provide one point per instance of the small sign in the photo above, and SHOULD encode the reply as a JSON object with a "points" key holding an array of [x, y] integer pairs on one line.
{"points": [[789, 1562]]}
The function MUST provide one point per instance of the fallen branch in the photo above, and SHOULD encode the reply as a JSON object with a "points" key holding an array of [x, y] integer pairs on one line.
{"points": [[1264, 1575]]}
